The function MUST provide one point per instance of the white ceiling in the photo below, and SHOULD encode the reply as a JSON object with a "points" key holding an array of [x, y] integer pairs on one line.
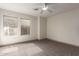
{"points": [[28, 8]]}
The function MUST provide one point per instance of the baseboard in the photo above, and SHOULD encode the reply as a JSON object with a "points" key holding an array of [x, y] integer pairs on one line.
{"points": [[17, 43], [62, 42]]}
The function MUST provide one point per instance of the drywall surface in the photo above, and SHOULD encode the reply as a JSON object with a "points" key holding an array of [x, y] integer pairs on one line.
{"points": [[64, 27], [43, 29], [42, 22], [18, 38]]}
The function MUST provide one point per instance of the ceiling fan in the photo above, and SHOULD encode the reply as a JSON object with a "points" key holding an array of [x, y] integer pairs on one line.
{"points": [[44, 8]]}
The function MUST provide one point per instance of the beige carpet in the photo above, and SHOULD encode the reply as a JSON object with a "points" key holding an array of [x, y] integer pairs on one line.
{"points": [[39, 48]]}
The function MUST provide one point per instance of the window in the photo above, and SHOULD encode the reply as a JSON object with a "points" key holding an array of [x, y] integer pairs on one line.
{"points": [[25, 27], [10, 25]]}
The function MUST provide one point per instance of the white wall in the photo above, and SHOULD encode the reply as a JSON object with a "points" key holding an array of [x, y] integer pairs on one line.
{"points": [[43, 27], [18, 38], [64, 27]]}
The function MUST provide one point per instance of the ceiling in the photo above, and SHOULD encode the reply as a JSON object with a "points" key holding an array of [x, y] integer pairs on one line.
{"points": [[28, 8]]}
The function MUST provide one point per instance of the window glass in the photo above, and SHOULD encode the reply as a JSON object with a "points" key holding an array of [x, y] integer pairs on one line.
{"points": [[25, 27]]}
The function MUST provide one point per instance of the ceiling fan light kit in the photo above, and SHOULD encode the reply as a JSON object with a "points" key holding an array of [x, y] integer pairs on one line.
{"points": [[44, 8]]}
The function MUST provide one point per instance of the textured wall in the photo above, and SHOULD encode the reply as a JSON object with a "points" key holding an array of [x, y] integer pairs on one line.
{"points": [[43, 27], [64, 27]]}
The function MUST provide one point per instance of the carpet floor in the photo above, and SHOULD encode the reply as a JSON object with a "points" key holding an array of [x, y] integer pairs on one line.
{"points": [[39, 48]]}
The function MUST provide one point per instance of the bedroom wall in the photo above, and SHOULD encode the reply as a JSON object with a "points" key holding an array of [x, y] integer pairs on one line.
{"points": [[43, 27], [64, 27]]}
